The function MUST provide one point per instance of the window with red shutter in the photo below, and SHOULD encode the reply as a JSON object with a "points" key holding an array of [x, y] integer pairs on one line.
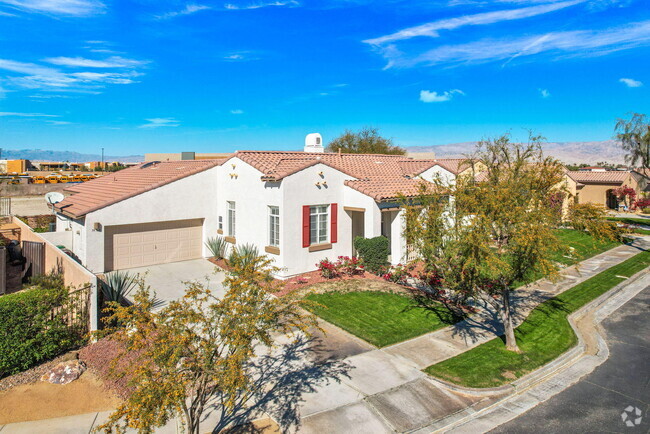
{"points": [[305, 225], [334, 225]]}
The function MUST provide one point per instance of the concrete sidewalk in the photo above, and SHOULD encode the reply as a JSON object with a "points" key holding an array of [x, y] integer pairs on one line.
{"points": [[443, 344]]}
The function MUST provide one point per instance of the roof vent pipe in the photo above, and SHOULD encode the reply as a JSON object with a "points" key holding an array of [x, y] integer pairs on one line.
{"points": [[314, 143]]}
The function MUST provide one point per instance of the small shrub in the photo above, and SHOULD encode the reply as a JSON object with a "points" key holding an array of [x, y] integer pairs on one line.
{"points": [[116, 285], [218, 247], [329, 269], [34, 328], [350, 265], [373, 251], [398, 274]]}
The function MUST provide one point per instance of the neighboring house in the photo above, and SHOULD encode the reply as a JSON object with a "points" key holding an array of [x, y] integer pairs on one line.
{"points": [[298, 207], [597, 186]]}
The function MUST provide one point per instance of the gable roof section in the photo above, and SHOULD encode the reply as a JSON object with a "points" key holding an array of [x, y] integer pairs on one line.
{"points": [[124, 184], [381, 189], [608, 177]]}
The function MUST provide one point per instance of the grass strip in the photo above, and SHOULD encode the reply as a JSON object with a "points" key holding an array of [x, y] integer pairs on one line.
{"points": [[630, 220], [542, 337]]}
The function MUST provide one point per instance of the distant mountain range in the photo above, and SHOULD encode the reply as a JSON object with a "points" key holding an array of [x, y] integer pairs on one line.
{"points": [[568, 152], [71, 156]]}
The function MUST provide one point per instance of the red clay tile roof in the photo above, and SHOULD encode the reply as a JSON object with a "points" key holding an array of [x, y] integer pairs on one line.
{"points": [[276, 165], [608, 177], [115, 187], [386, 188]]}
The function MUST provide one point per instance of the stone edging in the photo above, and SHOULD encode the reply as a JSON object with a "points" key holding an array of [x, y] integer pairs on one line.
{"points": [[564, 360]]}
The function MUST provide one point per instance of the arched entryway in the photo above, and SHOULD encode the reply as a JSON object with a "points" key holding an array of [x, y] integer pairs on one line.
{"points": [[612, 200]]}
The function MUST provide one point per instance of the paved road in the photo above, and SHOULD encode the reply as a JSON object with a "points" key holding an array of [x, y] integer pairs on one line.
{"points": [[595, 404]]}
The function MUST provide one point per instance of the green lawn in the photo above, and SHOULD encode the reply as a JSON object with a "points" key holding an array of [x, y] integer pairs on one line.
{"points": [[384, 319], [585, 246], [630, 220], [380, 318], [542, 337]]}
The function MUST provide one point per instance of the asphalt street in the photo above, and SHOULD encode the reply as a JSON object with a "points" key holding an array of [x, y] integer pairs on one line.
{"points": [[596, 403]]}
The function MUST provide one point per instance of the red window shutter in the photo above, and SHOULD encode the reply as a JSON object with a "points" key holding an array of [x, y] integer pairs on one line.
{"points": [[335, 223], [305, 225]]}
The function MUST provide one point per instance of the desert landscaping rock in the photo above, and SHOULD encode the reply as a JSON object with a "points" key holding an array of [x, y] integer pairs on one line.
{"points": [[64, 372]]}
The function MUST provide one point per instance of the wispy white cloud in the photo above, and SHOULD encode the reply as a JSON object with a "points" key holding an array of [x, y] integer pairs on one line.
{"points": [[160, 122], [432, 96], [111, 62], [187, 10], [6, 14], [432, 29], [288, 3], [24, 75], [58, 122], [75, 8], [237, 112], [569, 43], [630, 82], [28, 115], [241, 56], [544, 93]]}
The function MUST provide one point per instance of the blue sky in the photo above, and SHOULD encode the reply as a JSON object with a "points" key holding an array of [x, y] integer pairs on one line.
{"points": [[217, 76]]}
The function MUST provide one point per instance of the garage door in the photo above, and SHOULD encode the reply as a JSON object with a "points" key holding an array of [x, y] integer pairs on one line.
{"points": [[139, 245]]}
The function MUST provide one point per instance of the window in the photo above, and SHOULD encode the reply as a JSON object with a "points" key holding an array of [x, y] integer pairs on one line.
{"points": [[274, 226], [318, 224], [220, 223], [231, 219]]}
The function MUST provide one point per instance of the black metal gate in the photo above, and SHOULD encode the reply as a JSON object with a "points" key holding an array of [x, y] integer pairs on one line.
{"points": [[34, 252]]}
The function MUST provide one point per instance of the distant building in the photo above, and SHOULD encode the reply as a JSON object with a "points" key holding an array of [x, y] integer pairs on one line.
{"points": [[15, 166], [184, 156], [592, 169]]}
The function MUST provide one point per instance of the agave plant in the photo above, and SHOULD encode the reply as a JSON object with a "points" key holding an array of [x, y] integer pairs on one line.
{"points": [[116, 285], [244, 256], [217, 246]]}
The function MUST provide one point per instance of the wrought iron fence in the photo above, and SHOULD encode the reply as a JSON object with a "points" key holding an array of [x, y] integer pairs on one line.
{"points": [[76, 311]]}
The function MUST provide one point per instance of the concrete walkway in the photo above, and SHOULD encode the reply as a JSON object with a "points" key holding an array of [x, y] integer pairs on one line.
{"points": [[443, 344], [384, 390]]}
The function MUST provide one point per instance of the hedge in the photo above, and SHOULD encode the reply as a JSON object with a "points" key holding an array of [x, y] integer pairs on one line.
{"points": [[373, 251], [33, 328]]}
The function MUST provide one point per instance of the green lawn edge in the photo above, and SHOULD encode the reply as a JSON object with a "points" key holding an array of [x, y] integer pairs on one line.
{"points": [[542, 337], [380, 318]]}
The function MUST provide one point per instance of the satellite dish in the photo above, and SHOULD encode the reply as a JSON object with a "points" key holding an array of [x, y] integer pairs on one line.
{"points": [[54, 197]]}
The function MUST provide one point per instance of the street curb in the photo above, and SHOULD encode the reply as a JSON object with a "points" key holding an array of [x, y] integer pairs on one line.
{"points": [[600, 308]]}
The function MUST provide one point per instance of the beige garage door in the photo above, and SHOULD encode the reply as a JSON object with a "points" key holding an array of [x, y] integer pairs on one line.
{"points": [[139, 245]]}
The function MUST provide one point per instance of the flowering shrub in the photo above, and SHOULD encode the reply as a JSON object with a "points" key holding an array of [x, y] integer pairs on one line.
{"points": [[329, 269], [642, 203], [625, 194], [398, 273], [349, 265]]}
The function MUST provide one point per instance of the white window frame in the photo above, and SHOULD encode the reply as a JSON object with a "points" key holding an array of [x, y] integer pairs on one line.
{"points": [[319, 233], [231, 218], [274, 226]]}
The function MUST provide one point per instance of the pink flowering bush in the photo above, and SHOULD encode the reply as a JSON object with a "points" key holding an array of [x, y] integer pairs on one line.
{"points": [[329, 269], [398, 274], [350, 265]]}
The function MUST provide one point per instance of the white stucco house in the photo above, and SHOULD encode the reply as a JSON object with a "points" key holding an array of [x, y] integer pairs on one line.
{"points": [[297, 207]]}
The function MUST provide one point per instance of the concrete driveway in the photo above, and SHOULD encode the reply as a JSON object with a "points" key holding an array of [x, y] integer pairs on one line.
{"points": [[167, 280]]}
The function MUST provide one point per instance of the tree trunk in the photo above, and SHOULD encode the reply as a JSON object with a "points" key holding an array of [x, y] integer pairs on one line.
{"points": [[508, 325]]}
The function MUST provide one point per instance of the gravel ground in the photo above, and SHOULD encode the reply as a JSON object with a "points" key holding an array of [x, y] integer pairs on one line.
{"points": [[34, 374], [29, 205]]}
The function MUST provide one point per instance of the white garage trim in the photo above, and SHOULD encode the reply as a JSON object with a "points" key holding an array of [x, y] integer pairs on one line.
{"points": [[143, 244]]}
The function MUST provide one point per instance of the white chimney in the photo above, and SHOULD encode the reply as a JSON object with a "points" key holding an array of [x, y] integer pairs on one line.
{"points": [[314, 143]]}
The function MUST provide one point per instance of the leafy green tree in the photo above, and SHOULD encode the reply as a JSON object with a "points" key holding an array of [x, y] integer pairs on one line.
{"points": [[197, 351], [483, 235], [366, 141], [634, 135]]}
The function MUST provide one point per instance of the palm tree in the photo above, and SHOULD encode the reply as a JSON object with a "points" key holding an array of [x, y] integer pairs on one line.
{"points": [[634, 135]]}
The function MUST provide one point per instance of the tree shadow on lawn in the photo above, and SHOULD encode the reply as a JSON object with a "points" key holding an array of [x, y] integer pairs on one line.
{"points": [[281, 379]]}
